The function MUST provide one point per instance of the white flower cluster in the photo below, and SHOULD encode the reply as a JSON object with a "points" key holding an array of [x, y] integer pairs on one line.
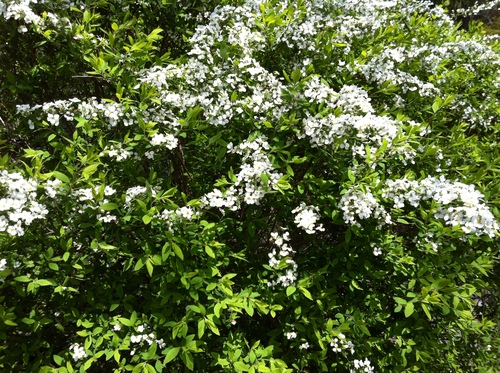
{"points": [[116, 151], [3, 264], [291, 334], [20, 10], [19, 206], [168, 140], [282, 255], [84, 194], [87, 196], [183, 214], [357, 121], [354, 100], [339, 344], [149, 338], [384, 67], [306, 218], [476, 8], [437, 60], [428, 241], [111, 113], [249, 184], [460, 204], [362, 366], [78, 352], [52, 187], [318, 91], [357, 204], [236, 86], [132, 193]]}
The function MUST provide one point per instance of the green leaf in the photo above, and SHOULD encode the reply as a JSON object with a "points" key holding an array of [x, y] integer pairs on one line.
{"points": [[171, 354], [351, 176], [426, 311], [265, 178], [152, 351], [61, 176], [108, 206], [296, 75], [45, 282], [435, 106], [89, 170], [209, 251], [400, 300], [241, 366], [126, 321], [58, 359], [201, 328], [158, 366], [290, 290], [409, 309], [140, 263], [188, 360], [177, 251], [348, 235], [249, 309], [217, 309], [149, 267], [22, 279], [306, 292]]}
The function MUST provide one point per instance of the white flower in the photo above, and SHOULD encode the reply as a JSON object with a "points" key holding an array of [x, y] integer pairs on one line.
{"points": [[108, 191], [169, 140], [306, 218], [78, 352], [136, 338]]}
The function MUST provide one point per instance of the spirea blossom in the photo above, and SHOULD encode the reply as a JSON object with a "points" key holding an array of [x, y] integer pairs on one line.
{"points": [[357, 204], [306, 217], [363, 366], [340, 343], [144, 336], [172, 217], [168, 140], [78, 352], [459, 204], [280, 258], [248, 185], [18, 207]]}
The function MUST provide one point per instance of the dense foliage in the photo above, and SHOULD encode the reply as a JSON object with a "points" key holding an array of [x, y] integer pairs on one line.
{"points": [[247, 186]]}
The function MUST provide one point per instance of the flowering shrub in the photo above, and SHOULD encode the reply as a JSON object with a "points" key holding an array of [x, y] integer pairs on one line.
{"points": [[308, 186]]}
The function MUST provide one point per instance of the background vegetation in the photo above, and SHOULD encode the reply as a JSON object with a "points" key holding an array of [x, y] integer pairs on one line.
{"points": [[247, 186]]}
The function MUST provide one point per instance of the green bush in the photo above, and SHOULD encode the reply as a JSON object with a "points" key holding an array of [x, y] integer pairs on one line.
{"points": [[280, 186]]}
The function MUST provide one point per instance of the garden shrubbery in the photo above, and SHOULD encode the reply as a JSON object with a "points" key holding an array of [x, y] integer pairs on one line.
{"points": [[247, 186]]}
